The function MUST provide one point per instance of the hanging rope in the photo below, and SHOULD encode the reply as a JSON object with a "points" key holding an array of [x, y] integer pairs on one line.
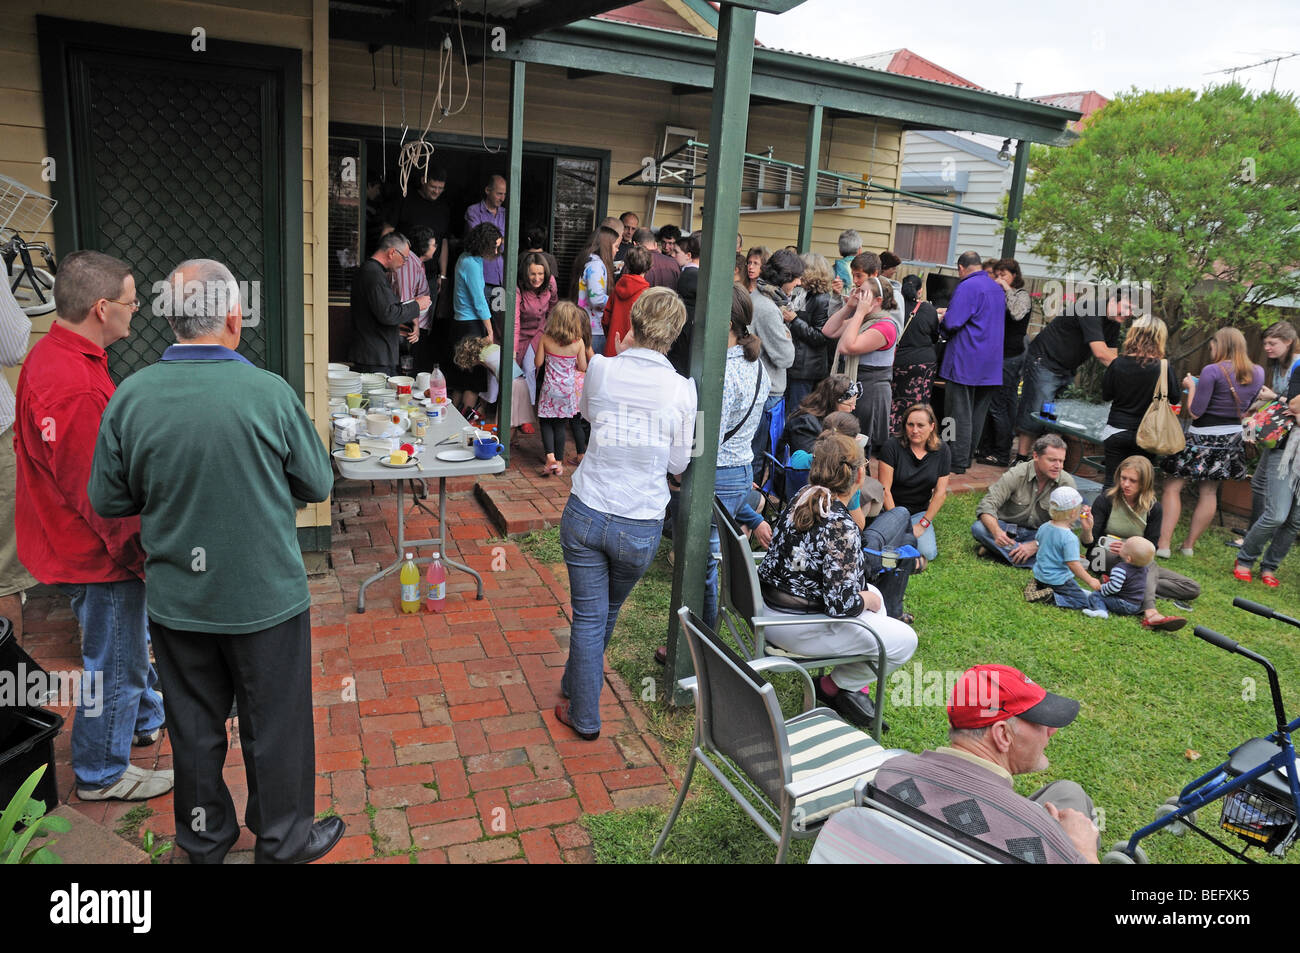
{"points": [[418, 153], [482, 102]]}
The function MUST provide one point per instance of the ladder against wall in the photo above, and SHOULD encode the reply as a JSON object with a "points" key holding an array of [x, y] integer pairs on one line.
{"points": [[671, 199]]}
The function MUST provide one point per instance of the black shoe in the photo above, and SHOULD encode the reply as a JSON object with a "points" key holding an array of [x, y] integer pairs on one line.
{"points": [[324, 835], [857, 709]]}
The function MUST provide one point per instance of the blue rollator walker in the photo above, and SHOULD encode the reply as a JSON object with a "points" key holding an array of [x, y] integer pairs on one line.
{"points": [[1257, 784]]}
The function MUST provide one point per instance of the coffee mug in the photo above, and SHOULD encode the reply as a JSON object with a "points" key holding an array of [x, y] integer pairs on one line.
{"points": [[378, 424], [467, 435], [485, 448], [402, 385], [422, 382], [356, 400]]}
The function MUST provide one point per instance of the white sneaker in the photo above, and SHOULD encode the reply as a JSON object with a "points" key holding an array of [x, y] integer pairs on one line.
{"points": [[135, 784], [1162, 554], [1188, 552], [1097, 613]]}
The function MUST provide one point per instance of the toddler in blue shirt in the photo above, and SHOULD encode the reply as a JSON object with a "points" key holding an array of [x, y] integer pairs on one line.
{"points": [[1058, 562]]}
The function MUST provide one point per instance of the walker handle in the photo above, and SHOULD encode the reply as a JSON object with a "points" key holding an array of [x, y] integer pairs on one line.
{"points": [[1214, 638], [1255, 607], [1263, 610]]}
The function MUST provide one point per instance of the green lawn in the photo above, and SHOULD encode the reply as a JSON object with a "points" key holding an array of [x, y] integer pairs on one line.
{"points": [[1151, 701]]}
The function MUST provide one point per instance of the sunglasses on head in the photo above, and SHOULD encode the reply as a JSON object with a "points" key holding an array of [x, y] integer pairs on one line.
{"points": [[854, 391]]}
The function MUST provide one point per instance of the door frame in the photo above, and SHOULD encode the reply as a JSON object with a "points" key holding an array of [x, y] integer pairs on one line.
{"points": [[471, 143], [58, 38]]}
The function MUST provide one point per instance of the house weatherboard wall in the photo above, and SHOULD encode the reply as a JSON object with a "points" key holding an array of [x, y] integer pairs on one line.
{"points": [[298, 26]]}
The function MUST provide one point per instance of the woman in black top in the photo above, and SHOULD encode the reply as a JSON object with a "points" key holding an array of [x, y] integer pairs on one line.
{"points": [[1129, 384], [916, 356], [914, 470], [812, 350]]}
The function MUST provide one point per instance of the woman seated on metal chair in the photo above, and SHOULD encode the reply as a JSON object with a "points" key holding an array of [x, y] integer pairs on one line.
{"points": [[816, 565]]}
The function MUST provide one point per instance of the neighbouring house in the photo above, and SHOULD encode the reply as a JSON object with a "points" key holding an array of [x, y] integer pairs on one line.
{"points": [[245, 130], [962, 168]]}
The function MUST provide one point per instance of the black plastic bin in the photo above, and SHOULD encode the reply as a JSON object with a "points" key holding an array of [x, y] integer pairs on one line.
{"points": [[26, 732]]}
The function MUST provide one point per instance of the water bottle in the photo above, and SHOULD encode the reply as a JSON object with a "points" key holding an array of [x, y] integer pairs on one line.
{"points": [[437, 384], [435, 585], [409, 576]]}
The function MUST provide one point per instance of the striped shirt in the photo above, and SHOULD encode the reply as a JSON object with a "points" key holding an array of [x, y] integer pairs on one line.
{"points": [[15, 327]]}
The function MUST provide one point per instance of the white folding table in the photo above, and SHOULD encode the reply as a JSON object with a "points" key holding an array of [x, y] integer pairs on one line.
{"points": [[450, 425]]}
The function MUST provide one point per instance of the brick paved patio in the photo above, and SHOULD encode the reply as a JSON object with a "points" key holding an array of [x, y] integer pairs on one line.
{"points": [[435, 739]]}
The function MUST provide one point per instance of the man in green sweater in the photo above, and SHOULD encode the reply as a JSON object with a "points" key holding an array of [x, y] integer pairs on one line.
{"points": [[215, 455]]}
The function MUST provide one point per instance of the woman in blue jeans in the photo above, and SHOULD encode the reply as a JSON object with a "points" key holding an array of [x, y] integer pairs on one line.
{"points": [[642, 416], [743, 391]]}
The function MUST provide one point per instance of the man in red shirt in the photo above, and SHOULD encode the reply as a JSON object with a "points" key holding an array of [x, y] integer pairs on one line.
{"points": [[62, 392]]}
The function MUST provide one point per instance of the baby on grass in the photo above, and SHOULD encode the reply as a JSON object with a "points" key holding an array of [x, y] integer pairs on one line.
{"points": [[1122, 592], [1058, 562]]}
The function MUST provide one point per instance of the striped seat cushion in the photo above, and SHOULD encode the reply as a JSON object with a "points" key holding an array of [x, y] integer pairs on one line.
{"points": [[820, 740]]}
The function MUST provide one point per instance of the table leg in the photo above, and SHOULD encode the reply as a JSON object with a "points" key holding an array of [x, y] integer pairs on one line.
{"points": [[401, 547], [442, 528]]}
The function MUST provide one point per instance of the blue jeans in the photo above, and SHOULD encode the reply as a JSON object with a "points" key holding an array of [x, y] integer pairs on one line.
{"points": [[1070, 596], [1117, 606], [1280, 522], [925, 541], [114, 647], [606, 556], [732, 486], [1022, 534], [1041, 385]]}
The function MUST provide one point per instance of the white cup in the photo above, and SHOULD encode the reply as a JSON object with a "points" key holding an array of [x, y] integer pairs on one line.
{"points": [[422, 382], [467, 435], [378, 424]]}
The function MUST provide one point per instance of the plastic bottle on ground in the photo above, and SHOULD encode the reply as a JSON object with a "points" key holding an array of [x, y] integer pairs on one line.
{"points": [[409, 577], [435, 585]]}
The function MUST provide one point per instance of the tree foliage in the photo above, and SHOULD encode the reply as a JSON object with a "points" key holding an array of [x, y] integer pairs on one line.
{"points": [[1197, 194]]}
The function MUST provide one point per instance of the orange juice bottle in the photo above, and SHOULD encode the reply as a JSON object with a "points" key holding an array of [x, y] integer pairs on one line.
{"points": [[409, 576]]}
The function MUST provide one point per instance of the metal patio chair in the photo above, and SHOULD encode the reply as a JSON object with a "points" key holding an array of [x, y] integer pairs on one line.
{"points": [[740, 596], [788, 775]]}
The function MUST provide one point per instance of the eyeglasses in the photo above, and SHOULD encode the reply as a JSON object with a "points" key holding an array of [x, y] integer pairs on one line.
{"points": [[403, 261], [133, 305]]}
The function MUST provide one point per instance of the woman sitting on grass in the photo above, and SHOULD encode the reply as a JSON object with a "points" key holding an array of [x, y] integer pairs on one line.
{"points": [[914, 469], [1131, 508], [816, 565]]}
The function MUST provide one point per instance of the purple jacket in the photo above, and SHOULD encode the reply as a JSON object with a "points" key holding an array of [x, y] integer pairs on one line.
{"points": [[477, 214], [974, 325]]}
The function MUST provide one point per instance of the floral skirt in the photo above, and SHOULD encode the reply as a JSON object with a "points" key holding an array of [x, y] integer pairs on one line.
{"points": [[1209, 457], [911, 385]]}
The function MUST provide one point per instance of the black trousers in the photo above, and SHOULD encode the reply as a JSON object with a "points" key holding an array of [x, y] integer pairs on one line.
{"points": [[269, 672]]}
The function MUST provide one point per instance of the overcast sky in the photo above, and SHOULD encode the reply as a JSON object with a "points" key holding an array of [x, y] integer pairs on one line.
{"points": [[1054, 47]]}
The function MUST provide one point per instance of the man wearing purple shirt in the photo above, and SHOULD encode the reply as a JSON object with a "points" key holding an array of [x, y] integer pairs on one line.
{"points": [[972, 362], [492, 210]]}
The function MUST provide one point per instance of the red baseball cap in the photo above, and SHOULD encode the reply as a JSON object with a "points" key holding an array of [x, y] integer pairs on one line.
{"points": [[987, 694]]}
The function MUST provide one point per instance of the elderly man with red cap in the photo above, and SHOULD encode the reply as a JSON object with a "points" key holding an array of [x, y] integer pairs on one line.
{"points": [[999, 725]]}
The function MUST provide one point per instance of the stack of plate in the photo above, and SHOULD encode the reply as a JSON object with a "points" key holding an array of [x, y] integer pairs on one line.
{"points": [[344, 382]]}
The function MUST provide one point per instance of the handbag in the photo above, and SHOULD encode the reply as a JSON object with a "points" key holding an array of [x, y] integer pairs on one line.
{"points": [[1267, 424], [1160, 432]]}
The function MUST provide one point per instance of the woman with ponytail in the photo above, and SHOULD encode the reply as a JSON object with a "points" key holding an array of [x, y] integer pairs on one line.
{"points": [[816, 565], [744, 389]]}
